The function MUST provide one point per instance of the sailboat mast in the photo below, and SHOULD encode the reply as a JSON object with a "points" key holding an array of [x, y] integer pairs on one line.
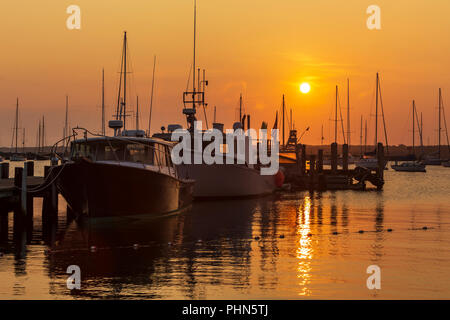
{"points": [[361, 136], [23, 141], [151, 96], [66, 128], [125, 81], [103, 102], [137, 112], [365, 136], [335, 116], [348, 111], [413, 131], [376, 112], [321, 137], [283, 119], [17, 121], [439, 129]]}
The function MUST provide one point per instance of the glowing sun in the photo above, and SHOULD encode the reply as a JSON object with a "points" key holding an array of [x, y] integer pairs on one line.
{"points": [[305, 87]]}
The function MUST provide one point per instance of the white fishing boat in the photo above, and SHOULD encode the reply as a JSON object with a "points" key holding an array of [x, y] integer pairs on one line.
{"points": [[218, 180]]}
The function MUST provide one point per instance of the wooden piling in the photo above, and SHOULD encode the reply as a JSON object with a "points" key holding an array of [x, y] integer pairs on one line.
{"points": [[345, 157], [320, 161], [4, 227], [303, 160], [334, 157], [30, 168], [4, 170], [380, 158]]}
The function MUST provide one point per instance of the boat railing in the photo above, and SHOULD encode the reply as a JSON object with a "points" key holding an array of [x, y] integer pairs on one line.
{"points": [[160, 152]]}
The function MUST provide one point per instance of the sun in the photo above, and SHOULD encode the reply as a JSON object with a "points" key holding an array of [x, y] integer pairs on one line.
{"points": [[305, 87]]}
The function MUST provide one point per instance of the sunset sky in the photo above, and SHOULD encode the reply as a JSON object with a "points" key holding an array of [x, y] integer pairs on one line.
{"points": [[261, 48]]}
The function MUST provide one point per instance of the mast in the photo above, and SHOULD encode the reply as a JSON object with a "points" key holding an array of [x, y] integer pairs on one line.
{"points": [[203, 100], [322, 137], [240, 108], [137, 112], [43, 133], [103, 102], [335, 116], [348, 111], [195, 34], [214, 114], [17, 121], [283, 119], [151, 96], [413, 131], [439, 129], [376, 113], [39, 136], [365, 136], [66, 128], [361, 136], [125, 81], [23, 141]]}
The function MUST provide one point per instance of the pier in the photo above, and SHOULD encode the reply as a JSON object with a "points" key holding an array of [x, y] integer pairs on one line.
{"points": [[306, 171], [17, 195]]}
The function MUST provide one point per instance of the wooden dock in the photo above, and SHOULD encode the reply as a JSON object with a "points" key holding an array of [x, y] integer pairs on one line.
{"points": [[306, 171]]}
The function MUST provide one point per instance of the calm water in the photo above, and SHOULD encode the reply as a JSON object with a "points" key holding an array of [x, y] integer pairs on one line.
{"points": [[279, 247]]}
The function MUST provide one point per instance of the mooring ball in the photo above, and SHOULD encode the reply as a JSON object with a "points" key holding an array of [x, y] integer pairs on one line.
{"points": [[425, 228], [389, 230]]}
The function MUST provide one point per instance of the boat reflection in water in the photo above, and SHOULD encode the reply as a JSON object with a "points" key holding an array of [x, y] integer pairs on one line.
{"points": [[149, 257]]}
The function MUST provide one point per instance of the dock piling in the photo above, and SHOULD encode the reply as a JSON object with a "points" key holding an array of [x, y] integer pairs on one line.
{"points": [[345, 157], [4, 170], [334, 157]]}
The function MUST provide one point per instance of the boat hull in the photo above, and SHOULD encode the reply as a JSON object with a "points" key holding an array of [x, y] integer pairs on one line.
{"points": [[227, 181], [106, 190], [409, 168]]}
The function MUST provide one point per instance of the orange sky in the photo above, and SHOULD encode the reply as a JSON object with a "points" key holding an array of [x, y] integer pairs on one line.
{"points": [[260, 48]]}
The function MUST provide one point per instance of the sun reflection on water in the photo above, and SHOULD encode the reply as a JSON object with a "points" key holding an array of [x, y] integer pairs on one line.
{"points": [[304, 248]]}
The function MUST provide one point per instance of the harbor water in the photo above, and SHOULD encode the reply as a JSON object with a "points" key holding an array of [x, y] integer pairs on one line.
{"points": [[291, 245]]}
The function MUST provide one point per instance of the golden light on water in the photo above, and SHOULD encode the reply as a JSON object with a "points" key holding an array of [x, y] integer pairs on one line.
{"points": [[305, 87], [304, 249]]}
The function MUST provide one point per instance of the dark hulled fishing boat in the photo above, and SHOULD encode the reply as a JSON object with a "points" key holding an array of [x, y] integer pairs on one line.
{"points": [[122, 176]]}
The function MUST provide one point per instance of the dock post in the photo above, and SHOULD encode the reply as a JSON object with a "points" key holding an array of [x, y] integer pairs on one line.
{"points": [[30, 168], [312, 171], [4, 226], [380, 158], [298, 157], [345, 157], [320, 161], [303, 160], [50, 203], [334, 157], [4, 171], [20, 181]]}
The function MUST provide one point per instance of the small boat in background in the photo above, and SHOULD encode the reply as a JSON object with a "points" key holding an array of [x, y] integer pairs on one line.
{"points": [[413, 166]]}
